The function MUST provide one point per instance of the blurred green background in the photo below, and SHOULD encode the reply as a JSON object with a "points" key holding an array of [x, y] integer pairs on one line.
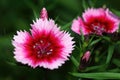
{"points": [[19, 14]]}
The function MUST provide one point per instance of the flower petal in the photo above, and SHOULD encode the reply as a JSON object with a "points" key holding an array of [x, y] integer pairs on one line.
{"points": [[78, 26], [92, 12]]}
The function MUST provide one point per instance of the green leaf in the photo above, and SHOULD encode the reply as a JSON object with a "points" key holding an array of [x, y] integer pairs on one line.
{"points": [[75, 62], [94, 67], [94, 42], [85, 5], [100, 75], [35, 14], [33, 7], [11, 63], [66, 26], [106, 38], [82, 36], [114, 70], [118, 42], [73, 4], [110, 53], [116, 62], [91, 3], [91, 39], [116, 12]]}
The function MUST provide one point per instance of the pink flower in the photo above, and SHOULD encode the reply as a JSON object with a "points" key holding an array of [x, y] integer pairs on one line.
{"points": [[46, 46], [96, 21]]}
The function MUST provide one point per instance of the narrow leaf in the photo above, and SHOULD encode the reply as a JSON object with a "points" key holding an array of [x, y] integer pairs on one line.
{"points": [[94, 42], [114, 70], [11, 63], [66, 26], [75, 62], [85, 6], [110, 53], [118, 42], [94, 67], [82, 36], [116, 12], [91, 3], [116, 62], [33, 7], [106, 38], [101, 75]]}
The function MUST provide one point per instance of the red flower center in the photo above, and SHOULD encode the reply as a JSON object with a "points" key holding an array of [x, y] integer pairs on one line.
{"points": [[98, 25], [97, 28], [43, 48]]}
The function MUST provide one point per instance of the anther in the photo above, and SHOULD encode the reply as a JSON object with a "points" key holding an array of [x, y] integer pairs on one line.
{"points": [[51, 50], [48, 53], [34, 46], [41, 41]]}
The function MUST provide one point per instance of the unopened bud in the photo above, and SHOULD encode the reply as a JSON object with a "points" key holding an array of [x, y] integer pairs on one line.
{"points": [[84, 60], [86, 56], [43, 14]]}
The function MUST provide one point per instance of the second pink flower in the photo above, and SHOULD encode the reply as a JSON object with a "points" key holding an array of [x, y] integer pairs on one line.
{"points": [[96, 21]]}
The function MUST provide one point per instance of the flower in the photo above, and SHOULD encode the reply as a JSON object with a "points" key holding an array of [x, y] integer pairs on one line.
{"points": [[84, 60], [46, 46], [96, 21]]}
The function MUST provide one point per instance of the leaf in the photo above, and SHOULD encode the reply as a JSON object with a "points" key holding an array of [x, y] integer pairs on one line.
{"points": [[33, 7], [91, 2], [116, 12], [106, 38], [75, 62], [11, 63], [94, 42], [66, 26], [91, 39], [100, 75], [114, 70], [116, 62], [82, 36], [85, 5], [94, 67], [118, 42], [110, 53], [73, 4]]}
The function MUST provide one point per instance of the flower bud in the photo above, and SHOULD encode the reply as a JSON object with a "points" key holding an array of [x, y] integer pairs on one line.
{"points": [[84, 60], [43, 14]]}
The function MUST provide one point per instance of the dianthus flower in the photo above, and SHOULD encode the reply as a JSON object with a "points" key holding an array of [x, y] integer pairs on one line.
{"points": [[46, 46], [96, 21]]}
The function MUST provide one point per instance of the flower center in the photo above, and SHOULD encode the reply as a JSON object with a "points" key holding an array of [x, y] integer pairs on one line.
{"points": [[43, 48], [98, 28]]}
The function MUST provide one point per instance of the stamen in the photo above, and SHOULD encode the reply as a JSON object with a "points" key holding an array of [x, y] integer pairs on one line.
{"points": [[43, 48], [41, 41], [51, 49], [98, 28], [34, 46], [49, 53]]}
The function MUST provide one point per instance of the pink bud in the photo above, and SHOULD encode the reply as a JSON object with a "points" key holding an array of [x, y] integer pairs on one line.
{"points": [[43, 14], [84, 60], [86, 56]]}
